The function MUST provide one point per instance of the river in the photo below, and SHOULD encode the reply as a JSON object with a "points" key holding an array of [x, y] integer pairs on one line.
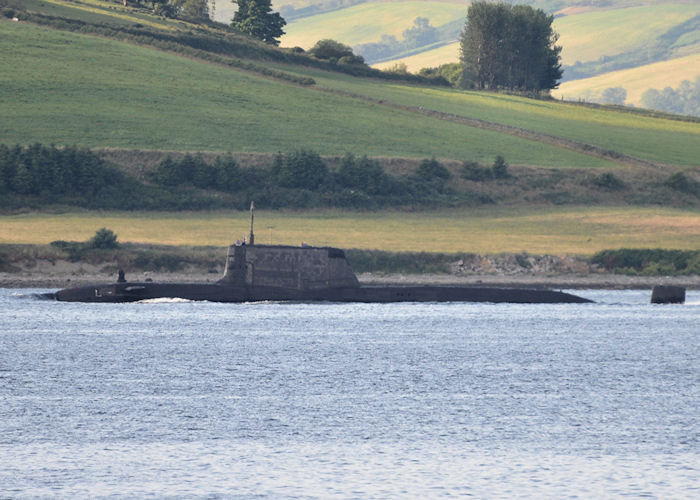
{"points": [[171, 398]]}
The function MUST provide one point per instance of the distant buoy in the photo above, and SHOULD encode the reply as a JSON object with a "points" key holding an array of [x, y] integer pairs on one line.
{"points": [[662, 294]]}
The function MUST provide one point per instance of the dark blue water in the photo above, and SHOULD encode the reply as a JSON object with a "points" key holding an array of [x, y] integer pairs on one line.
{"points": [[173, 398]]}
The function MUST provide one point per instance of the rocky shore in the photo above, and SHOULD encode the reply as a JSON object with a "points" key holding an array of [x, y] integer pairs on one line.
{"points": [[61, 274]]}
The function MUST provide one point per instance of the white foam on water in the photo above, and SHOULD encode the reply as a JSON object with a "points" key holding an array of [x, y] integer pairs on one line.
{"points": [[165, 300]]}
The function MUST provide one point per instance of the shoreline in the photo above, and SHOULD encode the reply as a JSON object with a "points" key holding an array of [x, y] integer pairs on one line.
{"points": [[41, 279]]}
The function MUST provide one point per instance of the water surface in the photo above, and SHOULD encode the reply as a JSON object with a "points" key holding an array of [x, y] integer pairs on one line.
{"points": [[176, 398]]}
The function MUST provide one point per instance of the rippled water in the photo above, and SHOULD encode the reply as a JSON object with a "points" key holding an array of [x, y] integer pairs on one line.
{"points": [[173, 398]]}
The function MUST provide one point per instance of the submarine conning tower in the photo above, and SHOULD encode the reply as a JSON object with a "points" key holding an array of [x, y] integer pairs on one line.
{"points": [[280, 266]]}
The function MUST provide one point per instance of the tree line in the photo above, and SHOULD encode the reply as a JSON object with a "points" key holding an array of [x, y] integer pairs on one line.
{"points": [[420, 34], [38, 175], [302, 179], [684, 100], [55, 173]]}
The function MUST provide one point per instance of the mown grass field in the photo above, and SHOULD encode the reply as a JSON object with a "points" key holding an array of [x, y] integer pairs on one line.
{"points": [[572, 230], [655, 139], [66, 88], [365, 23], [635, 80]]}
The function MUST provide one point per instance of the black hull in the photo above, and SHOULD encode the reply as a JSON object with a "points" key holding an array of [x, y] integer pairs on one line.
{"points": [[133, 292]]}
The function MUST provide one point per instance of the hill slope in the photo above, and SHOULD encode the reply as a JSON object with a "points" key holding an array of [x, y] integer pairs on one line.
{"points": [[69, 88], [635, 80], [597, 38]]}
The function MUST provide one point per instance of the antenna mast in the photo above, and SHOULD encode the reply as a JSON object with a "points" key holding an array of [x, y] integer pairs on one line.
{"points": [[252, 217]]}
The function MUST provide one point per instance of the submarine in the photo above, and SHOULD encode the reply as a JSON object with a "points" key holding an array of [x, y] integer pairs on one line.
{"points": [[255, 273]]}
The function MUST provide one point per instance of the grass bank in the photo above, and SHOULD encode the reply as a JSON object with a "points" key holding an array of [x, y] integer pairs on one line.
{"points": [[556, 231]]}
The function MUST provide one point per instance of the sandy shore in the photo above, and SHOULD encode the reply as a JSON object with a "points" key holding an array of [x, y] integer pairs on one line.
{"points": [[83, 275]]}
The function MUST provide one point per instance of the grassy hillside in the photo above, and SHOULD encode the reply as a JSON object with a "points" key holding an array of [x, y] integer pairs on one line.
{"points": [[655, 139], [366, 22], [586, 34], [577, 230], [590, 35], [597, 39], [66, 88], [635, 80]]}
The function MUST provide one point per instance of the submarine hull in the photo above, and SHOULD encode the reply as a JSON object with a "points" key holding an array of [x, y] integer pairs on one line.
{"points": [[133, 292], [255, 273]]}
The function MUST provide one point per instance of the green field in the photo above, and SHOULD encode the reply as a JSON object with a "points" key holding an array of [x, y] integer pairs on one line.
{"points": [[365, 23], [655, 139], [560, 231], [635, 80], [66, 88]]}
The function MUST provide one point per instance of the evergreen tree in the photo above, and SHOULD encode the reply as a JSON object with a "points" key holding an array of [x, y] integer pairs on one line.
{"points": [[23, 181], [255, 18], [363, 174], [499, 168], [227, 174], [301, 169], [5, 167]]}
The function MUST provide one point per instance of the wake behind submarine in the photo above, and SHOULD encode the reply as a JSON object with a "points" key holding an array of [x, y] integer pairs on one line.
{"points": [[286, 273]]}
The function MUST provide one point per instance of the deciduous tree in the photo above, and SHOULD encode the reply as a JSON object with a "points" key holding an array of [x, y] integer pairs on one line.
{"points": [[510, 47]]}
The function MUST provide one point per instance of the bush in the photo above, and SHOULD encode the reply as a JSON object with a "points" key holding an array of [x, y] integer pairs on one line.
{"points": [[451, 73], [473, 172], [104, 239], [681, 182], [430, 170], [608, 180], [649, 261], [351, 60], [331, 50]]}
